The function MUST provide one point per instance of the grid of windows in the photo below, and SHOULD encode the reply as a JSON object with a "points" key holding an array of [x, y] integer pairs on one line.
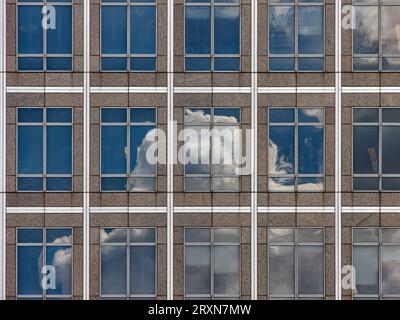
{"points": [[212, 263], [44, 35], [296, 35], [212, 149], [44, 263], [296, 149], [128, 263], [376, 35], [44, 140], [128, 35], [126, 164], [376, 259], [296, 263], [212, 35], [376, 145]]}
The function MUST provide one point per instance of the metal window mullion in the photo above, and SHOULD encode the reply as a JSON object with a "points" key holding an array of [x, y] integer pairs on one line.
{"points": [[212, 264], [128, 260], [44, 258], [380, 142], [296, 148], [296, 262], [44, 128]]}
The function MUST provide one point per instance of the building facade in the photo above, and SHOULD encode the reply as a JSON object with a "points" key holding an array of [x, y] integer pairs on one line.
{"points": [[314, 87]]}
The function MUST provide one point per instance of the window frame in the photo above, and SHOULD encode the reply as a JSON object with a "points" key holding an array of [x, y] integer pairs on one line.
{"points": [[212, 175], [380, 124], [129, 4], [380, 245], [128, 125], [44, 246], [128, 245], [211, 245], [212, 4], [296, 4], [379, 55], [44, 55], [44, 124], [296, 124], [295, 245]]}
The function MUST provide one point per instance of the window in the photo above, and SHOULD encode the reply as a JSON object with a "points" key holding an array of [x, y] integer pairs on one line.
{"points": [[44, 46], [128, 263], [376, 149], [128, 35], [376, 259], [296, 35], [126, 134], [44, 256], [212, 263], [212, 35], [296, 263], [296, 149], [212, 149], [44, 139], [376, 35]]}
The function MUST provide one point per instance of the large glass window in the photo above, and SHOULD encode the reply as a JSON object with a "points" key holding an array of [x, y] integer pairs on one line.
{"points": [[376, 259], [376, 149], [44, 263], [128, 263], [126, 134], [44, 35], [296, 149], [376, 35], [212, 149], [44, 140], [128, 35], [212, 263], [212, 35], [296, 263], [296, 35]]}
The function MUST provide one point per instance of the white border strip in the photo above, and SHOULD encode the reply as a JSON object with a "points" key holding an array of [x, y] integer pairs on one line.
{"points": [[212, 90], [94, 210], [58, 210], [212, 210], [3, 117], [128, 89], [371, 90], [296, 90], [44, 89]]}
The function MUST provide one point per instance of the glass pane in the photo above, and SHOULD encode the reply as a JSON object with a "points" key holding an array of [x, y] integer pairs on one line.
{"points": [[143, 270], [226, 150], [143, 64], [30, 115], [59, 64], [59, 149], [281, 115], [59, 40], [197, 150], [366, 32], [142, 184], [113, 270], [281, 184], [311, 115], [310, 64], [197, 184], [391, 235], [390, 115], [113, 30], [391, 270], [197, 270], [310, 235], [59, 236], [226, 30], [113, 184], [310, 184], [143, 29], [365, 149], [311, 29], [113, 149], [117, 64], [140, 115], [281, 235], [29, 267], [227, 269], [61, 259], [197, 235], [281, 29], [281, 270], [30, 149], [113, 115], [365, 184], [30, 184], [390, 149], [30, 32], [226, 184], [197, 30], [365, 260], [365, 235], [59, 115], [281, 64], [311, 150], [227, 235], [365, 64], [143, 235], [390, 29], [365, 114], [281, 150], [227, 115], [142, 161], [198, 116], [197, 64], [311, 269], [30, 235], [112, 235]]}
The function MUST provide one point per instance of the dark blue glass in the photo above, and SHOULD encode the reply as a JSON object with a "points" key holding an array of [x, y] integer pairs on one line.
{"points": [[114, 30], [197, 30], [30, 149], [114, 64], [366, 114], [30, 184], [139, 146], [143, 235], [30, 115], [311, 115], [59, 150], [197, 64], [281, 115], [365, 149], [311, 150], [281, 64], [30, 64], [59, 236], [281, 149], [60, 257], [143, 29], [366, 184], [226, 64], [59, 184], [281, 30], [226, 30], [365, 64], [311, 64], [311, 30], [29, 267], [58, 115], [391, 184], [60, 64], [113, 270], [231, 114], [30, 236], [30, 32], [113, 184], [113, 149], [143, 269], [143, 64], [113, 115], [143, 115], [59, 40]]}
